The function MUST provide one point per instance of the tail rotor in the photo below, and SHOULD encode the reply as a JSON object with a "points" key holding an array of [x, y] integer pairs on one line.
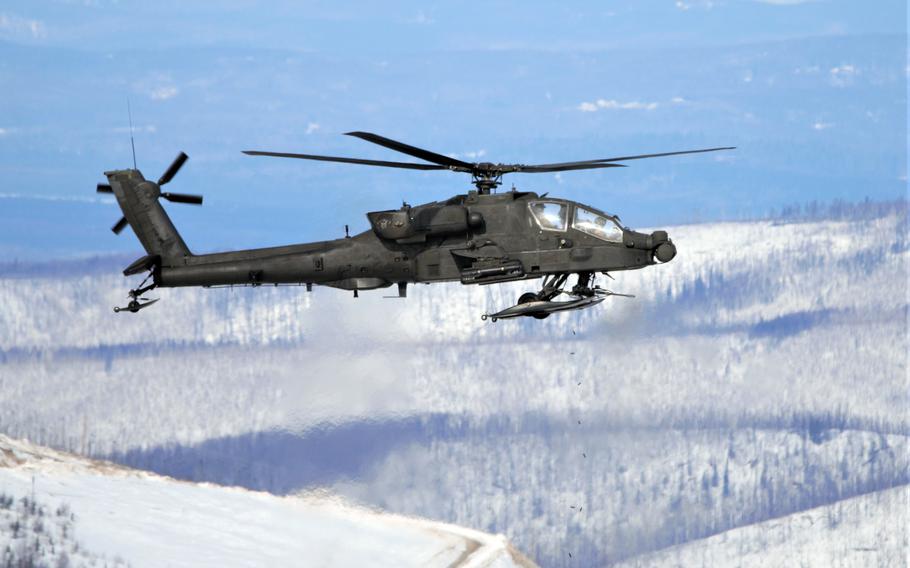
{"points": [[169, 174], [172, 170]]}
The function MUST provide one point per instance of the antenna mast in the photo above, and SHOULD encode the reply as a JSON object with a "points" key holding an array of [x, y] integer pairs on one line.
{"points": [[129, 112]]}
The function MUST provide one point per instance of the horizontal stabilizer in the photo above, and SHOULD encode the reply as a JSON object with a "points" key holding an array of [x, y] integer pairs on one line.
{"points": [[147, 262]]}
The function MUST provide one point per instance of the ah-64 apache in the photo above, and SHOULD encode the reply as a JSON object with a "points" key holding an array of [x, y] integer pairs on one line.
{"points": [[479, 237]]}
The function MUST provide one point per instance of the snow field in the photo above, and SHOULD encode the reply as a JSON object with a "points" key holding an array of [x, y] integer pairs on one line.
{"points": [[149, 520]]}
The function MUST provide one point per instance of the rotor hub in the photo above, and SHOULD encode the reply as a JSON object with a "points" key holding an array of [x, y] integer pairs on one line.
{"points": [[486, 181]]}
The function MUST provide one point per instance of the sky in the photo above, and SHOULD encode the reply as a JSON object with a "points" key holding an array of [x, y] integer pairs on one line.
{"points": [[812, 93]]}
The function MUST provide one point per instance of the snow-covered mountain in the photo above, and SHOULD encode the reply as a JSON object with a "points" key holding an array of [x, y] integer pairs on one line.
{"points": [[761, 373], [126, 517]]}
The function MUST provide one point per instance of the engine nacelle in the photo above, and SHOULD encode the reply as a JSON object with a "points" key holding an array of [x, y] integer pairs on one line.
{"points": [[392, 225], [415, 225]]}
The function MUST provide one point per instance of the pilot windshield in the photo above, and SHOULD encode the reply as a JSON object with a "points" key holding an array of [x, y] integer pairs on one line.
{"points": [[550, 215], [596, 225]]}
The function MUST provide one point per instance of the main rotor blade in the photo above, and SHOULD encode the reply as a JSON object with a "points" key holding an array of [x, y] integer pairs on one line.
{"points": [[119, 226], [405, 165], [183, 198], [172, 170], [413, 151], [563, 167], [640, 156], [104, 188]]}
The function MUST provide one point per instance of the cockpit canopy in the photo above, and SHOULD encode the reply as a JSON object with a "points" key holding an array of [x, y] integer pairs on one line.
{"points": [[550, 215], [554, 216]]}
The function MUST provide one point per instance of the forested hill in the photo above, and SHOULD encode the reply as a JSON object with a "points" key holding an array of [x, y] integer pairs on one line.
{"points": [[761, 373]]}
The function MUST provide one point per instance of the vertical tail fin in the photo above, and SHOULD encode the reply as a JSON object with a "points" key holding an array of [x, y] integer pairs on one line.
{"points": [[139, 200]]}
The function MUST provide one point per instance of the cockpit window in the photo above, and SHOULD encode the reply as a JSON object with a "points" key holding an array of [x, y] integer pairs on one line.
{"points": [[596, 225], [550, 215]]}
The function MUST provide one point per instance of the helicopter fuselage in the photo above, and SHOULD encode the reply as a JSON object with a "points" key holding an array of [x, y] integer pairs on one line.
{"points": [[475, 238], [480, 237]]}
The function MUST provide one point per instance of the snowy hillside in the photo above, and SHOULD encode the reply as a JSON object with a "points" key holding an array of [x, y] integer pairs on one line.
{"points": [[761, 373], [745, 314], [871, 530], [129, 517]]}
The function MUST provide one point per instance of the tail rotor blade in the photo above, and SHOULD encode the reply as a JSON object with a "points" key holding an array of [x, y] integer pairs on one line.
{"points": [[104, 188], [119, 226], [173, 169], [183, 198]]}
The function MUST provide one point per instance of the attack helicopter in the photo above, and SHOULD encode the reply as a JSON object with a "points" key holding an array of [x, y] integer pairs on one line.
{"points": [[479, 237]]}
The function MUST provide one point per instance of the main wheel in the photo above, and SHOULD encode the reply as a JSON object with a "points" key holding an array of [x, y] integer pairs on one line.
{"points": [[527, 297], [532, 297]]}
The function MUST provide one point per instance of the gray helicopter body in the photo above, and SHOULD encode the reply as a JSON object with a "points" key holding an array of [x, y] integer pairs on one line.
{"points": [[480, 237]]}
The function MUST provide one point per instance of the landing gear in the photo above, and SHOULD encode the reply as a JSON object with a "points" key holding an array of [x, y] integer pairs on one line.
{"points": [[542, 304], [136, 301], [135, 305], [552, 286], [529, 297], [583, 286]]}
